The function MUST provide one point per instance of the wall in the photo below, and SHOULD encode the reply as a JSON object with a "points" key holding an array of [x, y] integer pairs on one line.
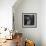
{"points": [[43, 22], [28, 6], [6, 13]]}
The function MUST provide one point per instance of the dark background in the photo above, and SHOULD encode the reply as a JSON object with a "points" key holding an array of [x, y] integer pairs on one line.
{"points": [[31, 17]]}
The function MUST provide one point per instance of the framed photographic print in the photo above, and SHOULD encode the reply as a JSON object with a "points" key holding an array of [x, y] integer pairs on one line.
{"points": [[29, 20]]}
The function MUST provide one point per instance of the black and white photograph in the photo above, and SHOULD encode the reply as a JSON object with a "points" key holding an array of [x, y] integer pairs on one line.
{"points": [[29, 20]]}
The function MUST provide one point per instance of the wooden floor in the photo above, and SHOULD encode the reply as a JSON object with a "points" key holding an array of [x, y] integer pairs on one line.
{"points": [[9, 43]]}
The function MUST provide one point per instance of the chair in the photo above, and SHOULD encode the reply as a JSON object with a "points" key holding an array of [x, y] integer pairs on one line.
{"points": [[29, 43], [18, 39]]}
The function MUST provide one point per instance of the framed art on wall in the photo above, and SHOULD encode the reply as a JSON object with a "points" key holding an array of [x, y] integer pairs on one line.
{"points": [[29, 20]]}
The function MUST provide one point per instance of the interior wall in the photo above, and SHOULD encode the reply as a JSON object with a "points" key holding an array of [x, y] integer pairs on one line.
{"points": [[43, 22], [6, 13], [29, 6]]}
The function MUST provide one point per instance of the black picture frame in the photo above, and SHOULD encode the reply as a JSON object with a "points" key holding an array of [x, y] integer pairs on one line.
{"points": [[29, 20]]}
